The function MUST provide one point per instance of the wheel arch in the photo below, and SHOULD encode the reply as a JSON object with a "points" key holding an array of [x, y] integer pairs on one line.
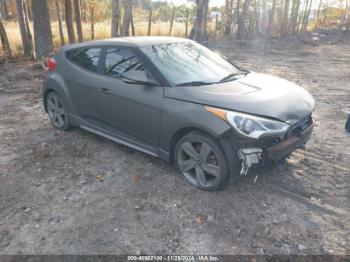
{"points": [[55, 83], [180, 117], [182, 132]]}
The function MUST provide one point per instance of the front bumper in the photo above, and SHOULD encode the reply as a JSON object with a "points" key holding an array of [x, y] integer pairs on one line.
{"points": [[265, 150], [286, 147]]}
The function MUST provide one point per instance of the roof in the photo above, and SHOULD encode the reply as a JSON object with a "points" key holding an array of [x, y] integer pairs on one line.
{"points": [[134, 41]]}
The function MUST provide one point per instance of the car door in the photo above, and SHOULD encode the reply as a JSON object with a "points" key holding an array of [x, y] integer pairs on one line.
{"points": [[81, 76], [132, 108]]}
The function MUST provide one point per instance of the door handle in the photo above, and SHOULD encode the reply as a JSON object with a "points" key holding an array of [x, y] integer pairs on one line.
{"points": [[103, 90]]}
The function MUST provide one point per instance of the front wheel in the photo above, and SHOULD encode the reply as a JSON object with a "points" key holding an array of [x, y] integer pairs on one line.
{"points": [[201, 161]]}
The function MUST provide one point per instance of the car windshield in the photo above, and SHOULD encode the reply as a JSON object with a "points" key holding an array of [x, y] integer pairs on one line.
{"points": [[189, 63]]}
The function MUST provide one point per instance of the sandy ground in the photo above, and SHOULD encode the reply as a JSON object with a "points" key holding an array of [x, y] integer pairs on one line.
{"points": [[76, 193]]}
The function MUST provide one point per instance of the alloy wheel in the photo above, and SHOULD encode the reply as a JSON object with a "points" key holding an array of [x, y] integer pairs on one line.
{"points": [[198, 163], [56, 110]]}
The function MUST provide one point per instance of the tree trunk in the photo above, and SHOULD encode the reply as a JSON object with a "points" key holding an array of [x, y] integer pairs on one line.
{"points": [[115, 18], [4, 12], [149, 22], [264, 17], [238, 14], [229, 17], [297, 10], [294, 16], [27, 45], [347, 17], [216, 25], [42, 29], [172, 21], [199, 30], [59, 18], [69, 21], [78, 20], [285, 25], [92, 25], [241, 22], [300, 17], [26, 19], [257, 17], [251, 27], [306, 15], [271, 18], [318, 13], [83, 9], [27, 10], [4, 40], [279, 28], [341, 16], [186, 24], [132, 26], [127, 4]]}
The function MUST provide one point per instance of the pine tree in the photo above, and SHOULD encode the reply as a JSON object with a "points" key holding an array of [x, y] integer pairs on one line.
{"points": [[42, 29]]}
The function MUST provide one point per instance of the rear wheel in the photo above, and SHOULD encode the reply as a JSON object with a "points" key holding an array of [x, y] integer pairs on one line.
{"points": [[57, 112], [201, 161]]}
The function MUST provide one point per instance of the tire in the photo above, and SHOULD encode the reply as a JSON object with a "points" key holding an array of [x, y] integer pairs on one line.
{"points": [[200, 160], [57, 111]]}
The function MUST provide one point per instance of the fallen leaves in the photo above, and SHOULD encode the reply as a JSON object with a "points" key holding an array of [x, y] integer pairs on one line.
{"points": [[199, 219], [100, 178]]}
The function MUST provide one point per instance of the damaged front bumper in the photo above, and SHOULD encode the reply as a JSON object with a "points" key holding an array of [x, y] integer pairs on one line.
{"points": [[274, 149], [286, 147], [249, 157]]}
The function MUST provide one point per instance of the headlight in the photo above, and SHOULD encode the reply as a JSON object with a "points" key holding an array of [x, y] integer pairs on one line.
{"points": [[249, 125]]}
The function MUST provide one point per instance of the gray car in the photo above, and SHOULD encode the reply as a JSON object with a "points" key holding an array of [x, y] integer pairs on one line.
{"points": [[175, 99]]}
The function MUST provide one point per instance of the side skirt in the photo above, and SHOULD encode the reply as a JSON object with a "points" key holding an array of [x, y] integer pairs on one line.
{"points": [[78, 122], [120, 141]]}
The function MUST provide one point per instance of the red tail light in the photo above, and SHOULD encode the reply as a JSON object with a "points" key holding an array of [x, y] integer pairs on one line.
{"points": [[51, 64]]}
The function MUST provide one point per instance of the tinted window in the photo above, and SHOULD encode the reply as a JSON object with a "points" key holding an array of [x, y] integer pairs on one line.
{"points": [[121, 60], [85, 57]]}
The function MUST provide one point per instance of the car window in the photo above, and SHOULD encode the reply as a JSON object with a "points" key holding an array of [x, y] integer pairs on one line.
{"points": [[120, 60], [86, 57]]}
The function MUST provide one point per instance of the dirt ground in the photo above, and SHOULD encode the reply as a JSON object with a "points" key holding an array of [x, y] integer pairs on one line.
{"points": [[77, 193]]}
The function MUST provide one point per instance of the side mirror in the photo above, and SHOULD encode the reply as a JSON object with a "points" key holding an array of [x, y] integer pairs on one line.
{"points": [[137, 77]]}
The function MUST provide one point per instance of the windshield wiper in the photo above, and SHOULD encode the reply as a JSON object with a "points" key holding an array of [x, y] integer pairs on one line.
{"points": [[194, 83], [229, 77], [226, 78]]}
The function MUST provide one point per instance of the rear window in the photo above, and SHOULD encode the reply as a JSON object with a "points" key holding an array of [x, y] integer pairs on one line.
{"points": [[87, 57]]}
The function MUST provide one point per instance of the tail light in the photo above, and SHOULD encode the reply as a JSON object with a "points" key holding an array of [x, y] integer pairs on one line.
{"points": [[51, 64]]}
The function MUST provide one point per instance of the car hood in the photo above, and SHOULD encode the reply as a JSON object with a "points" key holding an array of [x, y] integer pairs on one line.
{"points": [[255, 93]]}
